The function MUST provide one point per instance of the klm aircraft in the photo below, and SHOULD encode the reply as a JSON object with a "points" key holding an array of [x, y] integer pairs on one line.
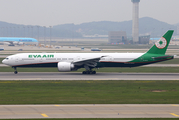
{"points": [[11, 41], [65, 62]]}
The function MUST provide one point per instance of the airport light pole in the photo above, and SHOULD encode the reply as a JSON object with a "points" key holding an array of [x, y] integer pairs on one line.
{"points": [[27, 32], [4, 32], [1, 31], [17, 31], [50, 36], [10, 32], [7, 32], [14, 31], [44, 36], [38, 32], [32, 31], [24, 31]]}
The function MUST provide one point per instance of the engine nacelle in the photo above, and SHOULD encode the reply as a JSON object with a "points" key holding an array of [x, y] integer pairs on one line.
{"points": [[15, 42], [6, 43], [65, 66], [20, 43]]}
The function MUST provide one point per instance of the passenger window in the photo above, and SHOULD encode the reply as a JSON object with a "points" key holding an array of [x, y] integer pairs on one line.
{"points": [[64, 58], [70, 58]]}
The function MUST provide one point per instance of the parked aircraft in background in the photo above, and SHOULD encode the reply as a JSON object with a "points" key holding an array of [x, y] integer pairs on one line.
{"points": [[95, 49], [1, 49], [74, 61], [11, 41]]}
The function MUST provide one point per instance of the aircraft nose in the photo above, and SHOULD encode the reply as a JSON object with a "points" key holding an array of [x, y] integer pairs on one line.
{"points": [[3, 61]]}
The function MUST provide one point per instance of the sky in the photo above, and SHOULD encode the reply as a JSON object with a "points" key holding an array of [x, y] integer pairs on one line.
{"points": [[56, 12]]}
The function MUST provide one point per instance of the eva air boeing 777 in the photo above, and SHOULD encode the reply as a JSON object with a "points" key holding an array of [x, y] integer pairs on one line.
{"points": [[73, 61]]}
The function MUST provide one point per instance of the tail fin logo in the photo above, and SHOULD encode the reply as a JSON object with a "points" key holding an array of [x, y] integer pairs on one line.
{"points": [[161, 43]]}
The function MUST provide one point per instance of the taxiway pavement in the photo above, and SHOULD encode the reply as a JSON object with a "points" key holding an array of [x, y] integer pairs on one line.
{"points": [[79, 76], [90, 111]]}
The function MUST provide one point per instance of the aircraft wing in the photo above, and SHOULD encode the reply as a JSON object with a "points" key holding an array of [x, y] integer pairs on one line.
{"points": [[11, 42], [90, 62]]}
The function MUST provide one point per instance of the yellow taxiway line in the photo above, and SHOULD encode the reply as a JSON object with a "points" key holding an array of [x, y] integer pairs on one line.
{"points": [[174, 114], [44, 115]]}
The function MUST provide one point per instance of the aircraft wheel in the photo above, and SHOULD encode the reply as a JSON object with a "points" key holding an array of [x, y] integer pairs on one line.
{"points": [[15, 72], [89, 72], [94, 72]]}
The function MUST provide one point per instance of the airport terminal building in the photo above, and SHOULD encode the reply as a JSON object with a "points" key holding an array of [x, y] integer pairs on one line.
{"points": [[117, 37], [144, 39]]}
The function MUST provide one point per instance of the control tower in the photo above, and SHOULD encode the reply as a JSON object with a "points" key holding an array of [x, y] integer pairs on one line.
{"points": [[135, 20]]}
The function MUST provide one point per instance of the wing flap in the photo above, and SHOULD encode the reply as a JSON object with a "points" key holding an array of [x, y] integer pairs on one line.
{"points": [[91, 62]]}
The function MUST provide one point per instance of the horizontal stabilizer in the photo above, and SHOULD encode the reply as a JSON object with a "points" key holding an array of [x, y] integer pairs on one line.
{"points": [[163, 57]]}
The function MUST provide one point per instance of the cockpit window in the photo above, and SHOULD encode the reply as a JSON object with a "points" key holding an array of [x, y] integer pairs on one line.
{"points": [[7, 58]]}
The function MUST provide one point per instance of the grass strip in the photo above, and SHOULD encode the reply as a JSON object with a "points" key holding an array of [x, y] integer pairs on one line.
{"points": [[1, 60], [111, 69], [89, 92]]}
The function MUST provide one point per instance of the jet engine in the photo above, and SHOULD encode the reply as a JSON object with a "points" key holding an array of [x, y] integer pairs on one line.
{"points": [[15, 42], [6, 43], [20, 43], [65, 67]]}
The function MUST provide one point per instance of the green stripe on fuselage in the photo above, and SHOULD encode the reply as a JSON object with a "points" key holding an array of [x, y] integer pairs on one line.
{"points": [[151, 58]]}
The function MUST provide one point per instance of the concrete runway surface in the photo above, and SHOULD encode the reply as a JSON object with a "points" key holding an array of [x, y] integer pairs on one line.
{"points": [[80, 76], [90, 111]]}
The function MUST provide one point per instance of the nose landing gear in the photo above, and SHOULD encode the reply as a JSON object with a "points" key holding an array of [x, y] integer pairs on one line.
{"points": [[15, 72]]}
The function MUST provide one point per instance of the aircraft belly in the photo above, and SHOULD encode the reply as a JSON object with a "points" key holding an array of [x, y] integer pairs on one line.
{"points": [[38, 65], [121, 64]]}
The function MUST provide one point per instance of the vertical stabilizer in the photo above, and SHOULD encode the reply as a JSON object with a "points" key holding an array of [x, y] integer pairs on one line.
{"points": [[161, 45]]}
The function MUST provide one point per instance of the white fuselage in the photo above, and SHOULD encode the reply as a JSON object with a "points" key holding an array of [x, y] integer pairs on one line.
{"points": [[46, 58]]}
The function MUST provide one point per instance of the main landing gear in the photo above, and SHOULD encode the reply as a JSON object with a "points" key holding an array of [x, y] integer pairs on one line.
{"points": [[89, 72], [15, 72]]}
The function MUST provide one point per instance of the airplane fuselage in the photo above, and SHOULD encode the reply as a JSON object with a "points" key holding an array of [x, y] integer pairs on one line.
{"points": [[17, 40], [109, 59], [73, 61]]}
